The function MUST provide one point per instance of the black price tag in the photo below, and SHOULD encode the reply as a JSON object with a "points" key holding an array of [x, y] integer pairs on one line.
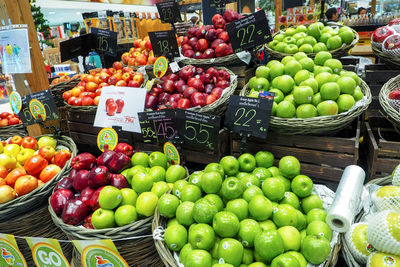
{"points": [[105, 41], [164, 44], [169, 12], [75, 47], [249, 115], [38, 107], [249, 32], [157, 126], [220, 3], [198, 129]]}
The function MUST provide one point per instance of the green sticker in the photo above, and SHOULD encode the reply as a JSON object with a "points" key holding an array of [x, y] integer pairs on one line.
{"points": [[100, 256], [15, 102], [10, 255], [107, 136], [45, 255], [160, 67], [149, 84], [37, 109], [172, 153]]}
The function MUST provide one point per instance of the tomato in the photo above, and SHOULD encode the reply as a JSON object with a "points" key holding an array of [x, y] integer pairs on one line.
{"points": [[35, 165], [49, 173]]}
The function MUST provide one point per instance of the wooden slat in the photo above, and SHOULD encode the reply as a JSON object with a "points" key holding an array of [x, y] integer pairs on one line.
{"points": [[321, 172], [81, 116], [372, 151], [389, 149], [91, 139], [386, 165], [83, 128]]}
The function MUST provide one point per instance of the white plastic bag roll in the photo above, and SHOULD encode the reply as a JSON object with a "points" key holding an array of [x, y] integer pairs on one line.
{"points": [[347, 199]]}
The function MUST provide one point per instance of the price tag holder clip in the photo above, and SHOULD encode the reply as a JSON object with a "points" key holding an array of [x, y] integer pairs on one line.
{"points": [[243, 142]]}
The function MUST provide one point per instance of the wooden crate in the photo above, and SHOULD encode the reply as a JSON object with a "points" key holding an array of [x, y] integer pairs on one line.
{"points": [[244, 74], [376, 76], [382, 147], [323, 158], [192, 155]]}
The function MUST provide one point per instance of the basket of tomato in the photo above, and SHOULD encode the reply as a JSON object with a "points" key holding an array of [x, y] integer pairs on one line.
{"points": [[29, 170]]}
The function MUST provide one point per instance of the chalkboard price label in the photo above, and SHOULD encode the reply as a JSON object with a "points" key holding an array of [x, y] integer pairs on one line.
{"points": [[169, 12], [157, 126], [249, 32], [249, 115], [38, 107], [198, 129], [164, 44], [105, 41]]}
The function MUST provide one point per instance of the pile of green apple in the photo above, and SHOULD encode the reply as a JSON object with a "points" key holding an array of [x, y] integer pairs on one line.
{"points": [[246, 212], [305, 87], [314, 39]]}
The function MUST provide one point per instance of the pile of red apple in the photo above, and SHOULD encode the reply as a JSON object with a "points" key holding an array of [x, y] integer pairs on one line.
{"points": [[191, 87], [210, 41], [139, 55], [88, 90], [387, 38], [9, 119], [76, 196]]}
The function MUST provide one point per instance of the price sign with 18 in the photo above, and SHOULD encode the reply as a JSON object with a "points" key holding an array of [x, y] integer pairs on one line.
{"points": [[249, 115], [198, 129], [249, 32], [169, 12], [164, 44], [157, 126]]}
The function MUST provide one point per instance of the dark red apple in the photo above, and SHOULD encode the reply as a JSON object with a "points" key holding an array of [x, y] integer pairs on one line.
{"points": [[65, 183], [87, 222], [182, 88], [230, 15], [218, 21], [197, 99], [184, 103], [188, 92], [74, 212], [211, 35], [206, 78], [86, 195], [173, 77], [222, 50], [156, 90], [208, 88], [201, 32], [223, 75], [216, 42], [186, 72], [119, 181], [59, 199], [185, 40], [186, 47], [151, 101], [196, 84], [217, 92], [94, 200], [201, 45], [192, 32], [119, 162], [224, 36], [99, 176], [199, 70], [209, 53], [163, 98], [81, 180], [105, 157], [175, 97], [223, 84], [188, 53], [169, 86], [193, 41], [213, 71], [198, 55]]}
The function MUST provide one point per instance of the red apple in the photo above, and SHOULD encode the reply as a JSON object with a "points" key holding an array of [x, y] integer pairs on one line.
{"points": [[98, 176], [218, 21], [223, 84], [169, 86], [217, 92], [163, 98], [175, 97], [216, 42], [188, 92], [186, 72], [208, 88], [86, 195], [193, 41], [117, 65], [222, 50], [74, 212], [197, 99], [213, 71], [196, 84], [206, 78], [151, 101], [192, 32], [201, 45], [188, 53], [223, 75], [209, 53], [211, 35], [133, 83], [198, 55], [119, 181], [230, 15], [199, 70], [94, 200], [59, 199], [184, 103], [224, 36]]}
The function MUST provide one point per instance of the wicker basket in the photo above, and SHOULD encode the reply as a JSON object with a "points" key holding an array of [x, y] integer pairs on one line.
{"points": [[9, 131], [392, 114], [231, 60], [219, 106], [317, 125], [58, 89], [337, 53], [390, 60], [37, 197]]}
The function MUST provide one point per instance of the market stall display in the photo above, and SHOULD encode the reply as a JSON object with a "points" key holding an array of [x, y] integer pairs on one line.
{"points": [[335, 38], [57, 89], [385, 43], [389, 98], [139, 55], [242, 211]]}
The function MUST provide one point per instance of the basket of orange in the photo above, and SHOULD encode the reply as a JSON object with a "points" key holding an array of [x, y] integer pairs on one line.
{"points": [[29, 170]]}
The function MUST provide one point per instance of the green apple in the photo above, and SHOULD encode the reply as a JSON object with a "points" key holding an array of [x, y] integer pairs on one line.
{"points": [[324, 37], [257, 264], [301, 76], [248, 230], [141, 182], [334, 42], [290, 31], [167, 205], [347, 37], [273, 111], [300, 258], [284, 215], [321, 57], [307, 64], [316, 215], [178, 187], [299, 55], [319, 228], [314, 30], [358, 94], [125, 214], [302, 186], [157, 158], [211, 182], [316, 99], [201, 236], [195, 178], [334, 64], [260, 208], [261, 84], [289, 166], [264, 159], [292, 67], [110, 197], [284, 83], [129, 196], [230, 251], [311, 202], [239, 207], [311, 82], [198, 258], [285, 109], [306, 111], [252, 191], [285, 181], [300, 41], [301, 220], [214, 249], [279, 37], [273, 188], [272, 44], [347, 85], [278, 95], [102, 219], [274, 171], [286, 59], [280, 47], [291, 48], [291, 237], [160, 188], [247, 257], [250, 179], [140, 158], [184, 213], [190, 193], [269, 245], [345, 102], [318, 47], [146, 203], [310, 40], [184, 252], [272, 62], [225, 224], [47, 141], [215, 167], [306, 48], [267, 225], [175, 173], [262, 72], [247, 162], [262, 173], [291, 199], [285, 260], [133, 171], [157, 173], [172, 222], [327, 108], [290, 99], [302, 94], [352, 75], [232, 188], [301, 28], [315, 249], [215, 200], [276, 70], [204, 211], [230, 165]]}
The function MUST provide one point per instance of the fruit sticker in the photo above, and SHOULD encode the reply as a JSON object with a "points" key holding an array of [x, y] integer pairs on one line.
{"points": [[15, 102], [9, 253], [46, 252], [388, 260], [107, 136], [37, 109], [99, 253], [160, 67], [172, 153]]}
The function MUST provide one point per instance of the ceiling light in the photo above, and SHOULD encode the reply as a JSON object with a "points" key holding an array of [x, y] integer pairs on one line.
{"points": [[78, 13], [52, 12]]}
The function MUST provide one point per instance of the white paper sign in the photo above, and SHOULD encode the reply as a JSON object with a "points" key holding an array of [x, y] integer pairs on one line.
{"points": [[119, 106]]}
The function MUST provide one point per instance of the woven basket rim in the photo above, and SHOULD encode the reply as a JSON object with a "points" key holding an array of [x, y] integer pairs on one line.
{"points": [[230, 60], [385, 57], [47, 187], [336, 52], [393, 114], [77, 79], [20, 125]]}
